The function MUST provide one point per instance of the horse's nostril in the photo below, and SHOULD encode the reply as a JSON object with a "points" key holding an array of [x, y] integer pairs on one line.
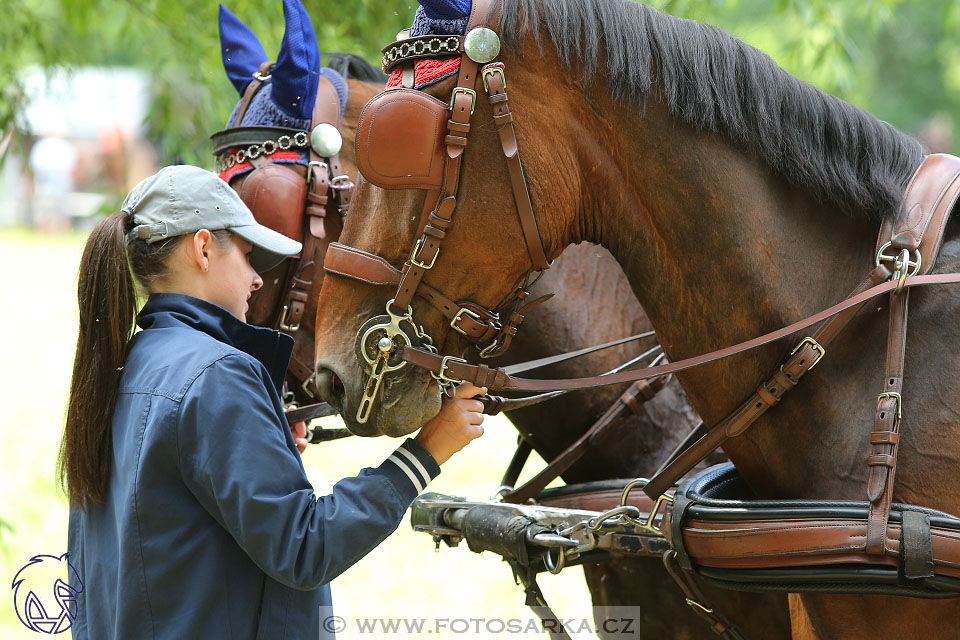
{"points": [[331, 387]]}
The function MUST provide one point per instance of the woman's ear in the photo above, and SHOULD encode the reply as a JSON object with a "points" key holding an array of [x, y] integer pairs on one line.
{"points": [[199, 249]]}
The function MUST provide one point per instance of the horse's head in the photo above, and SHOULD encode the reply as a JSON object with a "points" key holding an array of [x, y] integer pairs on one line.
{"points": [[415, 197], [265, 154]]}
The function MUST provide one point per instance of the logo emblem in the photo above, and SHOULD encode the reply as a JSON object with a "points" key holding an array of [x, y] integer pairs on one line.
{"points": [[43, 600]]}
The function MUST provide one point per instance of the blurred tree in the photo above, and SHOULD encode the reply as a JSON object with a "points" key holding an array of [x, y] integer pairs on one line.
{"points": [[889, 56]]}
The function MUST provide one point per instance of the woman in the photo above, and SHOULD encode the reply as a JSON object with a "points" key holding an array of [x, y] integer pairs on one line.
{"points": [[191, 515]]}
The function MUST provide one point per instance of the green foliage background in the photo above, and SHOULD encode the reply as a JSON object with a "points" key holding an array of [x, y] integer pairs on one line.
{"points": [[891, 57], [895, 58]]}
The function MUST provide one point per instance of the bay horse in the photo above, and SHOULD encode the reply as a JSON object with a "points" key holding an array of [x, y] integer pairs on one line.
{"points": [[737, 199], [587, 280]]}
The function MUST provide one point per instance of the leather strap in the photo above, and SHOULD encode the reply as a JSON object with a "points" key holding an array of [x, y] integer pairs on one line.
{"points": [[495, 81], [536, 600], [471, 320], [326, 109], [517, 462], [768, 393], [632, 399], [262, 74], [882, 460], [497, 379], [698, 602]]}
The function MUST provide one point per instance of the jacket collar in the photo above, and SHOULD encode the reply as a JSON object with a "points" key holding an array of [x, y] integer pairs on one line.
{"points": [[271, 348]]}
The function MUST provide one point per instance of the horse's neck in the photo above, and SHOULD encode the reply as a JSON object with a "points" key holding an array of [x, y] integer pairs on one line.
{"points": [[719, 250]]}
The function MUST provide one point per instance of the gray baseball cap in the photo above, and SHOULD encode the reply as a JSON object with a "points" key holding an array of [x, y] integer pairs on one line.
{"points": [[184, 199]]}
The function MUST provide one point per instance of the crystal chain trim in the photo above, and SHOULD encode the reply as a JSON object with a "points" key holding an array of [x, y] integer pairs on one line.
{"points": [[299, 140], [419, 48]]}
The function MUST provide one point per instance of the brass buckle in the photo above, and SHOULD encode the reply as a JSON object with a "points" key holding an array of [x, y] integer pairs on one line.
{"points": [[813, 343], [464, 90], [311, 165], [444, 364], [489, 71], [895, 396], [416, 249], [283, 321], [460, 314]]}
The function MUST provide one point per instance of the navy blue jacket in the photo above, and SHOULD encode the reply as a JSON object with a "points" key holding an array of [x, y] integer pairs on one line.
{"points": [[211, 528]]}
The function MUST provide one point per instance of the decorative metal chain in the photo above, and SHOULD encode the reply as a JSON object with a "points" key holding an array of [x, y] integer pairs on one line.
{"points": [[420, 48], [300, 139]]}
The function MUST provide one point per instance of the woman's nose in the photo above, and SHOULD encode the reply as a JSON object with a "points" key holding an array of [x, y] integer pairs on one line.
{"points": [[257, 282]]}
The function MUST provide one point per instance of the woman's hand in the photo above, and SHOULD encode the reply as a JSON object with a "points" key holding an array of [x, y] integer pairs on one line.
{"points": [[299, 430], [456, 425]]}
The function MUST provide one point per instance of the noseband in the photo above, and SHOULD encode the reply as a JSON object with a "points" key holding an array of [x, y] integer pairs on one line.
{"points": [[286, 200], [407, 139]]}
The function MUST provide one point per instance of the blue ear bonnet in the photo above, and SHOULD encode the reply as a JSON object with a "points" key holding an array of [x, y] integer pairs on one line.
{"points": [[441, 17], [264, 111], [241, 50], [298, 63], [288, 99]]}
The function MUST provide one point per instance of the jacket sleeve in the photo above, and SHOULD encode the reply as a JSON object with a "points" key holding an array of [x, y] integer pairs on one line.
{"points": [[239, 459]]}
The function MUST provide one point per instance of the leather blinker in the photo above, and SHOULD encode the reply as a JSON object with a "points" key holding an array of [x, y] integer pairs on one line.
{"points": [[276, 195], [400, 140]]}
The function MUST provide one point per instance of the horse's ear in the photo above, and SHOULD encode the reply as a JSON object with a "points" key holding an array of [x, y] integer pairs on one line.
{"points": [[446, 9], [298, 64], [241, 50]]}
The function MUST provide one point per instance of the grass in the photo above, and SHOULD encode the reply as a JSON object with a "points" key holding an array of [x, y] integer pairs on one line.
{"points": [[402, 577]]}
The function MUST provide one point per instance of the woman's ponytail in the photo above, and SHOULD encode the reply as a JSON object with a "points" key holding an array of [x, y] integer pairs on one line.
{"points": [[108, 306]]}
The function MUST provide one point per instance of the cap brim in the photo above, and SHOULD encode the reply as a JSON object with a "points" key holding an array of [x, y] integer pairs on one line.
{"points": [[269, 246]]}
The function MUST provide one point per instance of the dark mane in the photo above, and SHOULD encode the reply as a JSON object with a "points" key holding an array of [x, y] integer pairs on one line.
{"points": [[715, 82], [351, 66]]}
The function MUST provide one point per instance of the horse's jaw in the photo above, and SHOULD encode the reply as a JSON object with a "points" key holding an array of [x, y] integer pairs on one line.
{"points": [[405, 401]]}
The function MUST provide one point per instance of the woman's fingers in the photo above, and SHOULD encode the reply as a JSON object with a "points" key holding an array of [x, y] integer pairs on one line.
{"points": [[468, 390], [299, 430], [472, 405]]}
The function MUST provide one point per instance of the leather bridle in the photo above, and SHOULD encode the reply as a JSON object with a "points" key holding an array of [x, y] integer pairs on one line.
{"points": [[305, 205], [384, 340]]}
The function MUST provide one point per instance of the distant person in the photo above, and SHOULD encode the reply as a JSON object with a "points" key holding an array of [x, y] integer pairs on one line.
{"points": [[53, 160], [191, 515]]}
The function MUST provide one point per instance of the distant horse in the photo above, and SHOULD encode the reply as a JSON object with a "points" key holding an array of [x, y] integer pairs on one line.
{"points": [[737, 199], [586, 280]]}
